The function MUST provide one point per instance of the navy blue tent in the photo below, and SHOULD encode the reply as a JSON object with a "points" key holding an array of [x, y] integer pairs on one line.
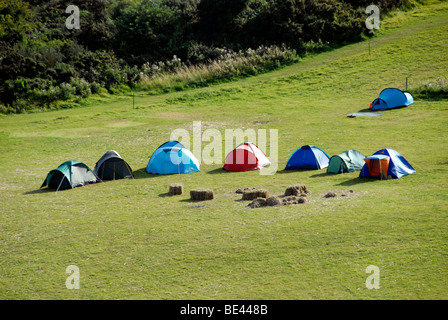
{"points": [[172, 157], [308, 157], [388, 161], [392, 98]]}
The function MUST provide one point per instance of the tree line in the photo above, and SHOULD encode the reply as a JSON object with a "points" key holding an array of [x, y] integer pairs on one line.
{"points": [[42, 62]]}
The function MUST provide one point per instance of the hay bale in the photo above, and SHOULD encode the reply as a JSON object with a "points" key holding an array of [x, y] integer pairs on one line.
{"points": [[330, 195], [176, 189], [201, 194], [273, 201], [242, 190], [256, 193], [289, 200], [302, 200], [296, 190], [258, 203]]}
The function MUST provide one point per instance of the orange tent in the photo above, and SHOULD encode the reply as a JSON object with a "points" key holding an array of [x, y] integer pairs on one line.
{"points": [[378, 165]]}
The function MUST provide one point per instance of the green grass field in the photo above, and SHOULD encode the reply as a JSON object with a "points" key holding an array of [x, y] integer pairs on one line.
{"points": [[131, 241]]}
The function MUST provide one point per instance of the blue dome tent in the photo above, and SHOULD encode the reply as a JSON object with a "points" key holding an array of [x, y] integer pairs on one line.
{"points": [[394, 164], [392, 98], [172, 158], [308, 157]]}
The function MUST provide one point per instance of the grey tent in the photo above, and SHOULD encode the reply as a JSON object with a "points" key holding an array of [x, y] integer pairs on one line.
{"points": [[112, 167], [70, 174], [347, 161]]}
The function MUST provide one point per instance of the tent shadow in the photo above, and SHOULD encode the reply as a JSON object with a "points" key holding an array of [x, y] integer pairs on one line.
{"points": [[217, 171], [295, 170], [142, 174], [356, 181], [40, 191], [319, 175], [381, 110], [366, 110]]}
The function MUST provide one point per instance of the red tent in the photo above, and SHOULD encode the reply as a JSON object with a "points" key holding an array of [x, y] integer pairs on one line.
{"points": [[245, 157]]}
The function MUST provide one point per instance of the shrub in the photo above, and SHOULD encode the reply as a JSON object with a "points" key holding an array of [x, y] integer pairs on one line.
{"points": [[177, 75], [66, 91], [95, 87], [437, 89], [81, 86]]}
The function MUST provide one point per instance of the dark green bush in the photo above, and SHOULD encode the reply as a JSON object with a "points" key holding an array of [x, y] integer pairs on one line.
{"points": [[122, 41]]}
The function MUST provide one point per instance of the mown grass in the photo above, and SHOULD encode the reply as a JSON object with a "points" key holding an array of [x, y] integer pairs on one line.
{"points": [[131, 241]]}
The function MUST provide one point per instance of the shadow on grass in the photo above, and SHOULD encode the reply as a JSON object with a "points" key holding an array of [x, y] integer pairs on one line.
{"points": [[217, 171], [320, 175], [142, 174], [356, 181], [40, 191], [165, 195], [295, 170], [365, 110], [195, 201]]}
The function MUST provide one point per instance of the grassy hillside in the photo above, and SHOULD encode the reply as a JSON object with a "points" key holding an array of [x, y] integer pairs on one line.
{"points": [[131, 241]]}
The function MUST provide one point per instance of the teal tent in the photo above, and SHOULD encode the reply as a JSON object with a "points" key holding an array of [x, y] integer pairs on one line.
{"points": [[70, 174], [347, 161], [172, 158], [391, 98]]}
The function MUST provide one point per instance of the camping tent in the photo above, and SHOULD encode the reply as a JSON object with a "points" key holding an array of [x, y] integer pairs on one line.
{"points": [[112, 167], [172, 157], [397, 165], [69, 175], [308, 157], [376, 166], [246, 156], [347, 161], [391, 98]]}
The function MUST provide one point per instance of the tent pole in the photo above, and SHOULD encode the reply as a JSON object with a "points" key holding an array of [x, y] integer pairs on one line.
{"points": [[130, 170], [60, 184], [381, 171]]}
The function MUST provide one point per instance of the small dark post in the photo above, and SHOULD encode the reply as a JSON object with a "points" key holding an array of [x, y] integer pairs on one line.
{"points": [[133, 100], [406, 83]]}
